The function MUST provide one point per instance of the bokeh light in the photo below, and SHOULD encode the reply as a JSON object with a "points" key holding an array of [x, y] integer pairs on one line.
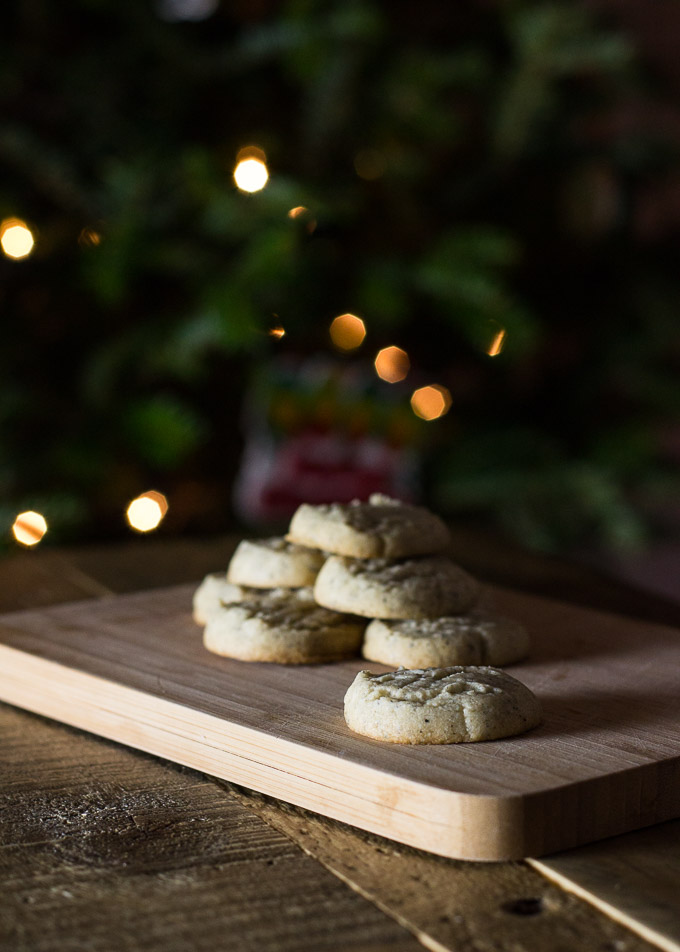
{"points": [[16, 238], [392, 364], [29, 527], [302, 213], [89, 238], [251, 173], [146, 512], [278, 332], [496, 345], [431, 402], [347, 331]]}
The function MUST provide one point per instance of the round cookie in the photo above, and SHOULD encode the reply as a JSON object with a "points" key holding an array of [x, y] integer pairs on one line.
{"points": [[380, 528], [449, 705], [212, 593], [479, 637], [274, 563], [425, 587], [285, 628]]}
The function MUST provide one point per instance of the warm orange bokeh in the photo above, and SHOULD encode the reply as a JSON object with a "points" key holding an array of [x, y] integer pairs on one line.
{"points": [[16, 238], [496, 345], [392, 364], [347, 331], [146, 512], [29, 527], [431, 402], [251, 173]]}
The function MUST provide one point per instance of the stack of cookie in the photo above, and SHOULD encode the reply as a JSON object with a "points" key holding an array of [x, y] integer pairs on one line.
{"points": [[263, 609], [344, 563], [309, 597], [386, 565]]}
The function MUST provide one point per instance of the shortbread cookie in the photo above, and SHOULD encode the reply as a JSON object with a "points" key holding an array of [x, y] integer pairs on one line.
{"points": [[213, 592], [478, 637], [288, 629], [425, 587], [379, 528], [449, 705], [274, 563]]}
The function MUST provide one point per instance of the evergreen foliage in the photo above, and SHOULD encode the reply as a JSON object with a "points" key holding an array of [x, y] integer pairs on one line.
{"points": [[462, 175]]}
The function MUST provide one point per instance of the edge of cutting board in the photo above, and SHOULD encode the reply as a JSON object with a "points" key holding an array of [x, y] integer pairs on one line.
{"points": [[79, 664], [453, 824]]}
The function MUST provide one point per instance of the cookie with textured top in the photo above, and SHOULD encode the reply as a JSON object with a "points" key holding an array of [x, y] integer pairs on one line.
{"points": [[380, 528], [450, 705], [213, 592], [274, 563], [478, 637], [424, 587], [287, 628]]}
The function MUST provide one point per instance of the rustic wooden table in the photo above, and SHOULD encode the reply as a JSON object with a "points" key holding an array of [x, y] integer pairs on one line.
{"points": [[103, 847]]}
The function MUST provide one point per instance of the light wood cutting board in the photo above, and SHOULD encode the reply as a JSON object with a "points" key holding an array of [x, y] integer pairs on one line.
{"points": [[132, 668]]}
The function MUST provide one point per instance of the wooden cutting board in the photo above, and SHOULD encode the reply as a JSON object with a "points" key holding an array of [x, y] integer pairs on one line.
{"points": [[132, 668]]}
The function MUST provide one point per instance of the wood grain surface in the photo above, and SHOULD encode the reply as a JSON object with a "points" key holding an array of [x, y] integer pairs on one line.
{"points": [[104, 848], [83, 901], [634, 879], [606, 759]]}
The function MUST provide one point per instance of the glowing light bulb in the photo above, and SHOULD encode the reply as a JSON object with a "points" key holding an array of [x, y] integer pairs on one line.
{"points": [[392, 364], [347, 331], [251, 173], [29, 527], [431, 402], [277, 332], [16, 238], [146, 512]]}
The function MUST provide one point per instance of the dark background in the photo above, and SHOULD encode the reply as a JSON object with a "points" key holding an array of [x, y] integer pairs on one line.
{"points": [[467, 168]]}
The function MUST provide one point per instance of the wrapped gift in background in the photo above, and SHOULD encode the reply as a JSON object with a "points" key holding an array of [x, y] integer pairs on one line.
{"points": [[322, 430]]}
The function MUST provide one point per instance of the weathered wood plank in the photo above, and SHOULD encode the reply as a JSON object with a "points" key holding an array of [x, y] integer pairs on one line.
{"points": [[635, 879], [101, 847], [450, 904]]}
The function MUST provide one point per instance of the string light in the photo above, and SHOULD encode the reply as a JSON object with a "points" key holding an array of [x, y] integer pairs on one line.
{"points": [[297, 211], [16, 238], [251, 173], [29, 527], [347, 331], [277, 332], [146, 512], [431, 402], [496, 345], [392, 364]]}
